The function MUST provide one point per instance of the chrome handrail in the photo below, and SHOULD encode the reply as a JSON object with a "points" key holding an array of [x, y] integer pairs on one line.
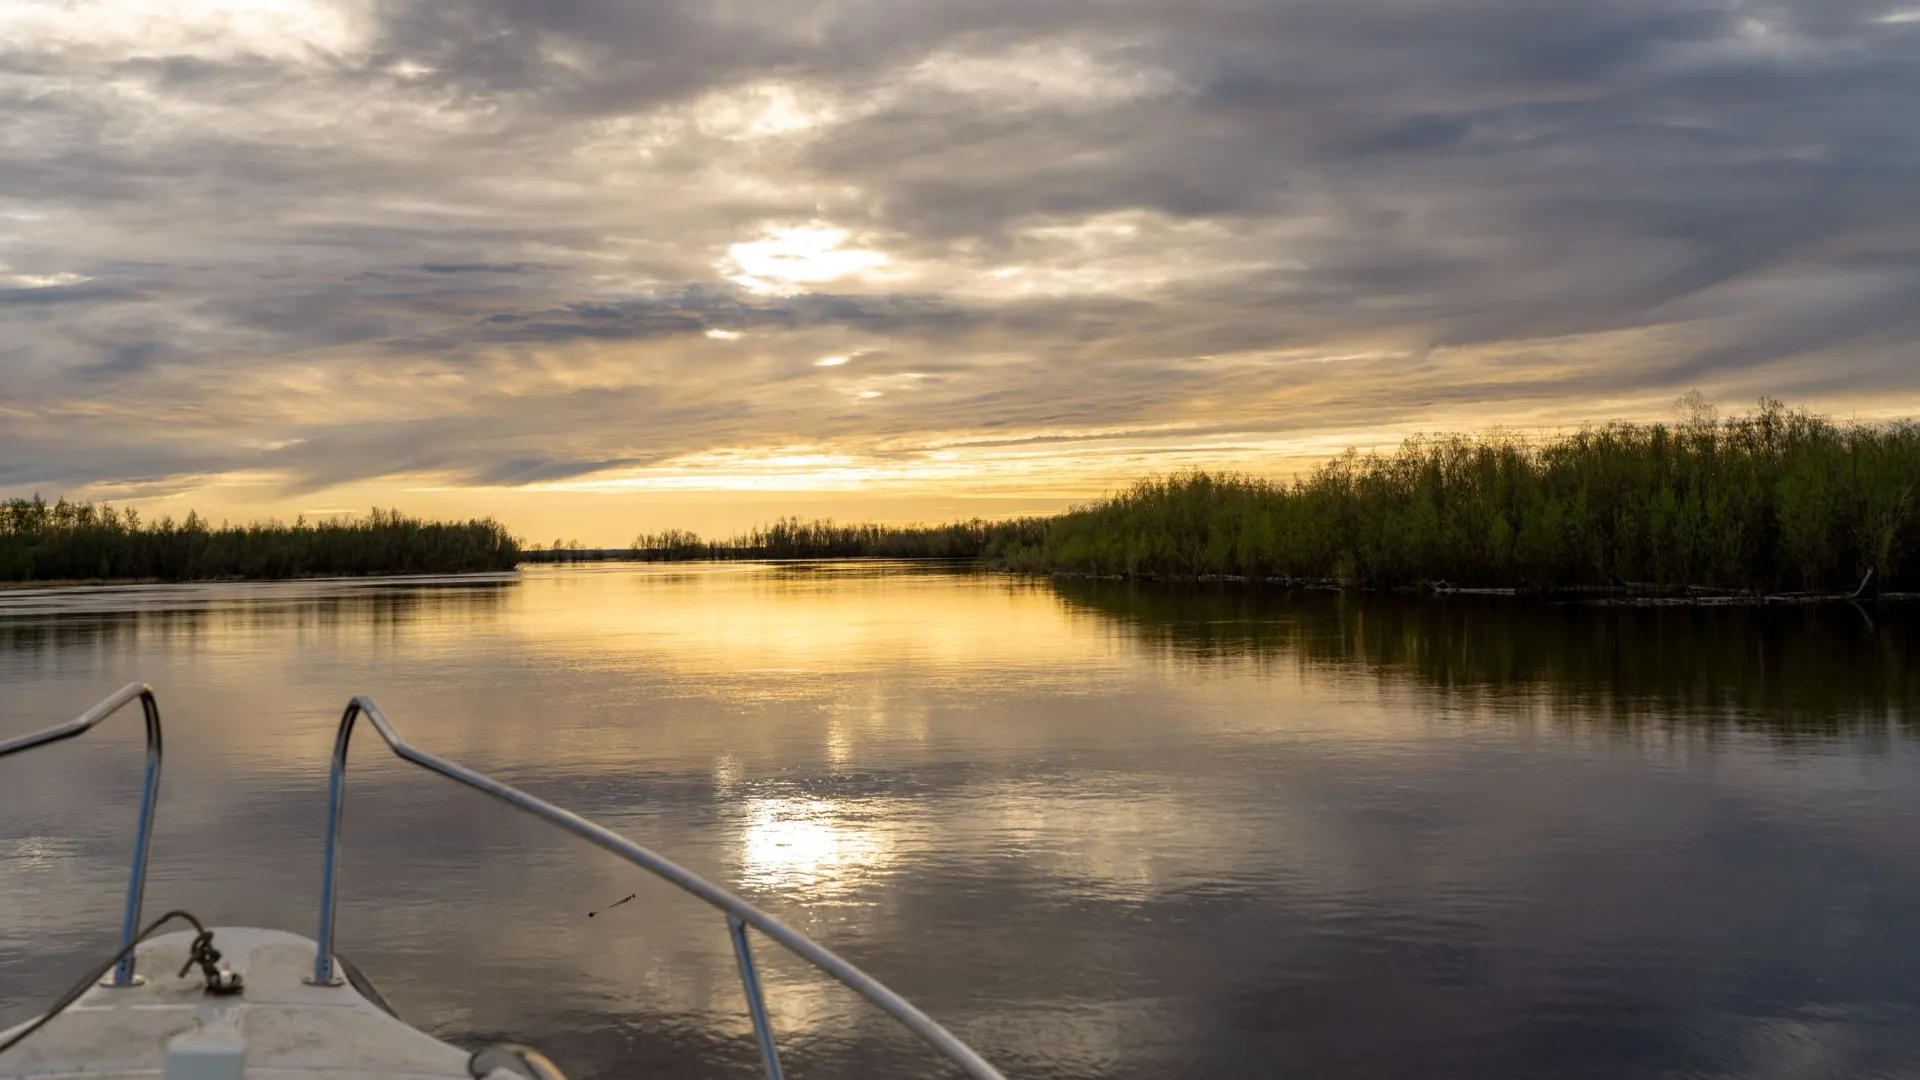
{"points": [[739, 913], [123, 974]]}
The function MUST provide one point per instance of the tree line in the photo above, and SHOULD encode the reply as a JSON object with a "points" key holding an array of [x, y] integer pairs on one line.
{"points": [[1777, 499], [801, 538], [64, 540]]}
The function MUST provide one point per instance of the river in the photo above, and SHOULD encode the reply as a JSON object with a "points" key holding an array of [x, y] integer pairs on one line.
{"points": [[1098, 829]]}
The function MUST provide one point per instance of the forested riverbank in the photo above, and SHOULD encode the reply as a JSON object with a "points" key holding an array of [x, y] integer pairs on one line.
{"points": [[799, 538], [1777, 500], [76, 541]]}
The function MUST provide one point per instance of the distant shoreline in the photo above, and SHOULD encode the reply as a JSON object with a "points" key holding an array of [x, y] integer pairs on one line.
{"points": [[78, 583], [109, 583], [1777, 506], [1627, 595], [1599, 596], [1623, 596], [44, 543]]}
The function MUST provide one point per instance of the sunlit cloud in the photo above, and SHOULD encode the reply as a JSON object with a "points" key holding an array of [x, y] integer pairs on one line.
{"points": [[792, 256], [762, 110], [289, 30], [10, 279], [1039, 76]]}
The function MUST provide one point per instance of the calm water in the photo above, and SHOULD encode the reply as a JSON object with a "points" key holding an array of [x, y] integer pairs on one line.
{"points": [[1099, 830]]}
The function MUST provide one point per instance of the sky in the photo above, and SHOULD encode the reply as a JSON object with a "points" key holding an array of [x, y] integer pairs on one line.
{"points": [[595, 268]]}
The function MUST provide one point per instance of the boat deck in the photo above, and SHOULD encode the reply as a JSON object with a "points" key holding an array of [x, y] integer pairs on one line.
{"points": [[288, 1027]]}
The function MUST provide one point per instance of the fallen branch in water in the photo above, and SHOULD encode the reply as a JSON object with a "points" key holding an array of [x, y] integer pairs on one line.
{"points": [[613, 905]]}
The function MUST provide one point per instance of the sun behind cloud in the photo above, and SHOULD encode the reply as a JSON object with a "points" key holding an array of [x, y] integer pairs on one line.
{"points": [[790, 257]]}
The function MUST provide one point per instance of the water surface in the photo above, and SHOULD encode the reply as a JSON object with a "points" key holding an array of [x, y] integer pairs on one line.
{"points": [[1099, 830]]}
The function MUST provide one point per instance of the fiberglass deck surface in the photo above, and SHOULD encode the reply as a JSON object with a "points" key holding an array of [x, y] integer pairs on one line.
{"points": [[290, 1028]]}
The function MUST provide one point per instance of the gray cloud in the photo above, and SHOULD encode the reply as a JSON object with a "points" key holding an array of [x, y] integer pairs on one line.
{"points": [[509, 242], [473, 268]]}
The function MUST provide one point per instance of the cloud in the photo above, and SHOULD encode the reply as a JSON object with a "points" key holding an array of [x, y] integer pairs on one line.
{"points": [[508, 243], [474, 268]]}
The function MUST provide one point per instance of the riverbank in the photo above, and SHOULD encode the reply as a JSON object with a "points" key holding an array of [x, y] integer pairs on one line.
{"points": [[136, 583], [1775, 502], [42, 543], [76, 583], [1778, 505], [1614, 596]]}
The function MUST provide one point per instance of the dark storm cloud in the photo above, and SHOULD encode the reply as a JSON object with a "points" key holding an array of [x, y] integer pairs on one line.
{"points": [[517, 238]]}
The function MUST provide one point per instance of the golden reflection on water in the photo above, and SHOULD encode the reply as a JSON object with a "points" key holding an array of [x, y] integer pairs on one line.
{"points": [[751, 621], [810, 845]]}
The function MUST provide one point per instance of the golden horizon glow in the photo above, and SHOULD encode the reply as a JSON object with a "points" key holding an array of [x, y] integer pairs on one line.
{"points": [[724, 491]]}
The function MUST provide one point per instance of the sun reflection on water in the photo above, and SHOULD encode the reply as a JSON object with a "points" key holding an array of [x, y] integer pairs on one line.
{"points": [[810, 844]]}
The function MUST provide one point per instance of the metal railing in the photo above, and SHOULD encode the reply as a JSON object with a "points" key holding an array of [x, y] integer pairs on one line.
{"points": [[739, 913], [123, 974]]}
